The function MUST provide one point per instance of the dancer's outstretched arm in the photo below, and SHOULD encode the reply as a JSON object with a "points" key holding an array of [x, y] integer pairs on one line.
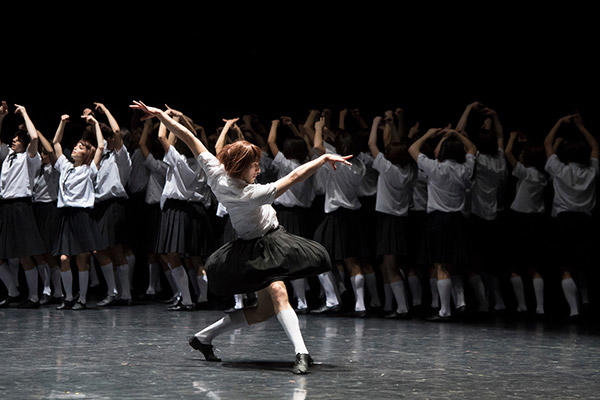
{"points": [[59, 135], [373, 137], [587, 135], [99, 138], [3, 113], [223, 135], [272, 140], [496, 126], [415, 148], [462, 123], [144, 138], [509, 148], [31, 131], [549, 140]]}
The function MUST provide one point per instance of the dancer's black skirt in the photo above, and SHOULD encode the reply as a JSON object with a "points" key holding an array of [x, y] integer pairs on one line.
{"points": [[243, 266], [77, 232], [417, 238], [185, 229], [46, 216], [527, 241], [228, 231], [392, 235], [573, 248], [152, 227], [341, 234], [19, 234], [295, 220], [447, 238], [368, 225], [137, 219], [111, 217]]}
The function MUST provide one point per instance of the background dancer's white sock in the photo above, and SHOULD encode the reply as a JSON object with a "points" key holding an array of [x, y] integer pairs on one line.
{"points": [[7, 277], [517, 285], [44, 273], [326, 280], [358, 285], [479, 289], [181, 278], [371, 282], [570, 290], [83, 285], [229, 322], [239, 301], [415, 290], [32, 284], [56, 284], [172, 283], [67, 280], [538, 288], [435, 298], [300, 292], [289, 321], [109, 277], [192, 278], [459, 290], [123, 271], [400, 296], [153, 277], [388, 294], [498, 300], [131, 271], [14, 263], [94, 281], [444, 287], [202, 281]]}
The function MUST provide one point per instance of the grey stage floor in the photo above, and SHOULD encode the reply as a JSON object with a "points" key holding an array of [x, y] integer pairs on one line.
{"points": [[141, 352]]}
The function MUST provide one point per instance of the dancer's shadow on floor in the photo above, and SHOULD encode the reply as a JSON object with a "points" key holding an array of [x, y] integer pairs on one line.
{"points": [[283, 366]]}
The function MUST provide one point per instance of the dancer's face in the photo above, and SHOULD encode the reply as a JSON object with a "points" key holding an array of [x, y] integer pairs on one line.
{"points": [[250, 174], [81, 153], [17, 145]]}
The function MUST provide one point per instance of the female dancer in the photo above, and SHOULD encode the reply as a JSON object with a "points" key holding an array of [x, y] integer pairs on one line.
{"points": [[265, 254]]}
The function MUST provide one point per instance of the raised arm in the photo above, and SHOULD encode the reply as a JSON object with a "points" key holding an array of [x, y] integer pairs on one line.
{"points": [[342, 120], [496, 126], [148, 124], [415, 148], [59, 135], [509, 148], [111, 120], [469, 146], [388, 129], [462, 122], [272, 140], [99, 138], [309, 123], [32, 148], [3, 113], [414, 130], [549, 140], [307, 169], [373, 137], [401, 123], [587, 135], [318, 142], [223, 135]]}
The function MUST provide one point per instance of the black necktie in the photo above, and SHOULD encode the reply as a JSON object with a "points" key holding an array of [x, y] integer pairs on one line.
{"points": [[69, 171], [106, 155], [11, 158]]}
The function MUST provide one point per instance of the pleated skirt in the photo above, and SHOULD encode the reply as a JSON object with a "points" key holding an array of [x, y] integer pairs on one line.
{"points": [[392, 235], [46, 216], [340, 232], [111, 217], [77, 232], [447, 238], [19, 234]]}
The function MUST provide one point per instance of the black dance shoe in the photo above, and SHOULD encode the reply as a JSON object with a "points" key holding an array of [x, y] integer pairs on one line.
{"points": [[301, 311], [357, 314], [325, 309], [79, 306], [207, 350], [56, 300], [303, 362], [181, 307], [8, 301], [66, 305], [45, 299], [107, 301], [29, 304], [438, 318], [123, 302], [172, 300]]}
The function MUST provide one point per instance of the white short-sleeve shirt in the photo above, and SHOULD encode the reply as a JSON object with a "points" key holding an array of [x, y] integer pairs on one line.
{"points": [[248, 205], [18, 172], [394, 186], [368, 185], [300, 194], [157, 171], [185, 179], [341, 185], [489, 173], [419, 195], [529, 196], [574, 185], [113, 174], [446, 182], [45, 185], [76, 184], [138, 178]]}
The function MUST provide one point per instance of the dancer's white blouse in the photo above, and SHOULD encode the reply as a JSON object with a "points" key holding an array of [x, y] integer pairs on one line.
{"points": [[248, 205]]}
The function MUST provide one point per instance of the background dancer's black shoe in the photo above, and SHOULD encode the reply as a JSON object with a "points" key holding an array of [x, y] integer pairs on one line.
{"points": [[324, 309], [206, 349], [303, 362], [8, 301]]}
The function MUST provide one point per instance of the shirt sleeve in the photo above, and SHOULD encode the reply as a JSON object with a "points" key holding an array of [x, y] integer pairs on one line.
{"points": [[381, 164], [426, 164], [93, 170], [61, 163], [3, 151], [257, 194], [171, 156], [519, 171], [211, 165], [469, 166], [155, 165], [283, 165], [123, 161], [554, 166], [34, 164]]}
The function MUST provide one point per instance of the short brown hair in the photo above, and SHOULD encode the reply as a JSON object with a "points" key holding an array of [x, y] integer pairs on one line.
{"points": [[238, 156]]}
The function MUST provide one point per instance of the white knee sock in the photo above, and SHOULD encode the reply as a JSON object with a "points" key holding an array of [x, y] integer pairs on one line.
{"points": [[435, 298], [538, 288], [56, 284], [371, 282], [67, 280], [202, 281], [388, 294], [93, 274], [498, 300], [229, 322], [193, 280], [172, 282], [358, 285], [289, 321], [400, 296], [517, 285], [83, 285], [479, 289], [123, 271], [415, 290], [109, 277], [8, 279], [14, 263], [300, 292], [459, 289], [181, 278], [444, 287], [153, 277], [32, 283], [326, 280], [239, 301], [44, 272], [570, 291], [131, 263], [341, 282]]}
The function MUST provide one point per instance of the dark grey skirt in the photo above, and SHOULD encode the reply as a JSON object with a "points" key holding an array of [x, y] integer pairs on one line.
{"points": [[392, 234], [77, 232], [185, 229], [243, 266], [151, 226], [46, 216], [341, 234], [110, 216], [295, 220], [19, 234], [447, 238]]}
